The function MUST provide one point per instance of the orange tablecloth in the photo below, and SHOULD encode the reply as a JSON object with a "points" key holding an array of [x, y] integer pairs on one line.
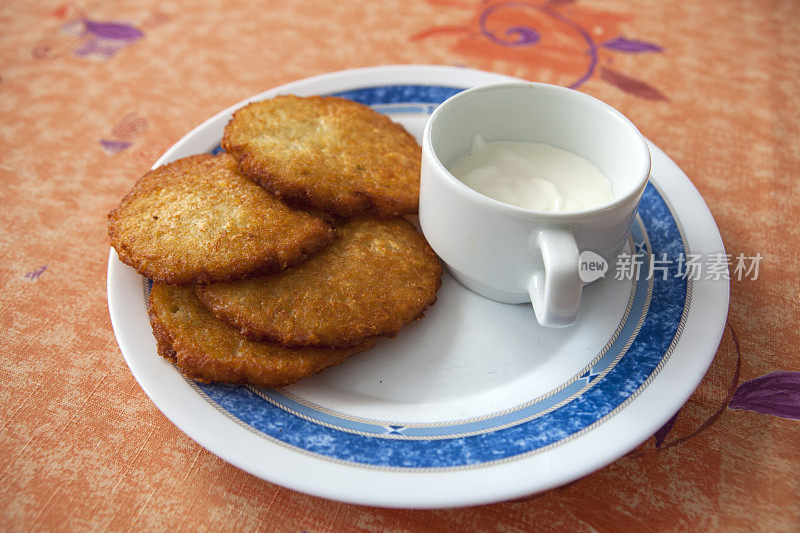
{"points": [[92, 93]]}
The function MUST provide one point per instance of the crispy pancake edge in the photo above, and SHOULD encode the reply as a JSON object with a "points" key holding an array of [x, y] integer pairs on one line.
{"points": [[195, 364]]}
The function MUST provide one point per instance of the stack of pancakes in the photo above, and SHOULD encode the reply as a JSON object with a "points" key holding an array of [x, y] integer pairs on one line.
{"points": [[286, 254]]}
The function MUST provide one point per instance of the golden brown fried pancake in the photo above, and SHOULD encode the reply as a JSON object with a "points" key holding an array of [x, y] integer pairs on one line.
{"points": [[198, 220], [328, 153], [207, 349], [378, 275]]}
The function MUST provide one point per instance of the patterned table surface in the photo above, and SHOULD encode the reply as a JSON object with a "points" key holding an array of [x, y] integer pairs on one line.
{"points": [[92, 93]]}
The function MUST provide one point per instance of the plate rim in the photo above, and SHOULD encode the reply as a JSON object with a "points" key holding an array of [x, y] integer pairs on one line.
{"points": [[353, 484]]}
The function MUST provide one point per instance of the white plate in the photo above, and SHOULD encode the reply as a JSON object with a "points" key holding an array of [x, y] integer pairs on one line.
{"points": [[476, 403]]}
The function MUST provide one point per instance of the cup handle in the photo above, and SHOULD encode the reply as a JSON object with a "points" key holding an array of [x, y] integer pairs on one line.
{"points": [[556, 291]]}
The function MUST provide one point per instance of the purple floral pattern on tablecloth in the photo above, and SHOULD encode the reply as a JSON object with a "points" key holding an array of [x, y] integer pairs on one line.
{"points": [[776, 393], [86, 37], [101, 40], [547, 36]]}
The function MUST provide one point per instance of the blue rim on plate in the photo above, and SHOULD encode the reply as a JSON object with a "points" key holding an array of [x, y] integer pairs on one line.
{"points": [[641, 345]]}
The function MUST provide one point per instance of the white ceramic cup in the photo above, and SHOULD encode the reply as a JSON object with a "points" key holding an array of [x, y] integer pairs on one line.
{"points": [[509, 253]]}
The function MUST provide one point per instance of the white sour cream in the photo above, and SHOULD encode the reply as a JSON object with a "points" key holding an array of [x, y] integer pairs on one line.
{"points": [[532, 175]]}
